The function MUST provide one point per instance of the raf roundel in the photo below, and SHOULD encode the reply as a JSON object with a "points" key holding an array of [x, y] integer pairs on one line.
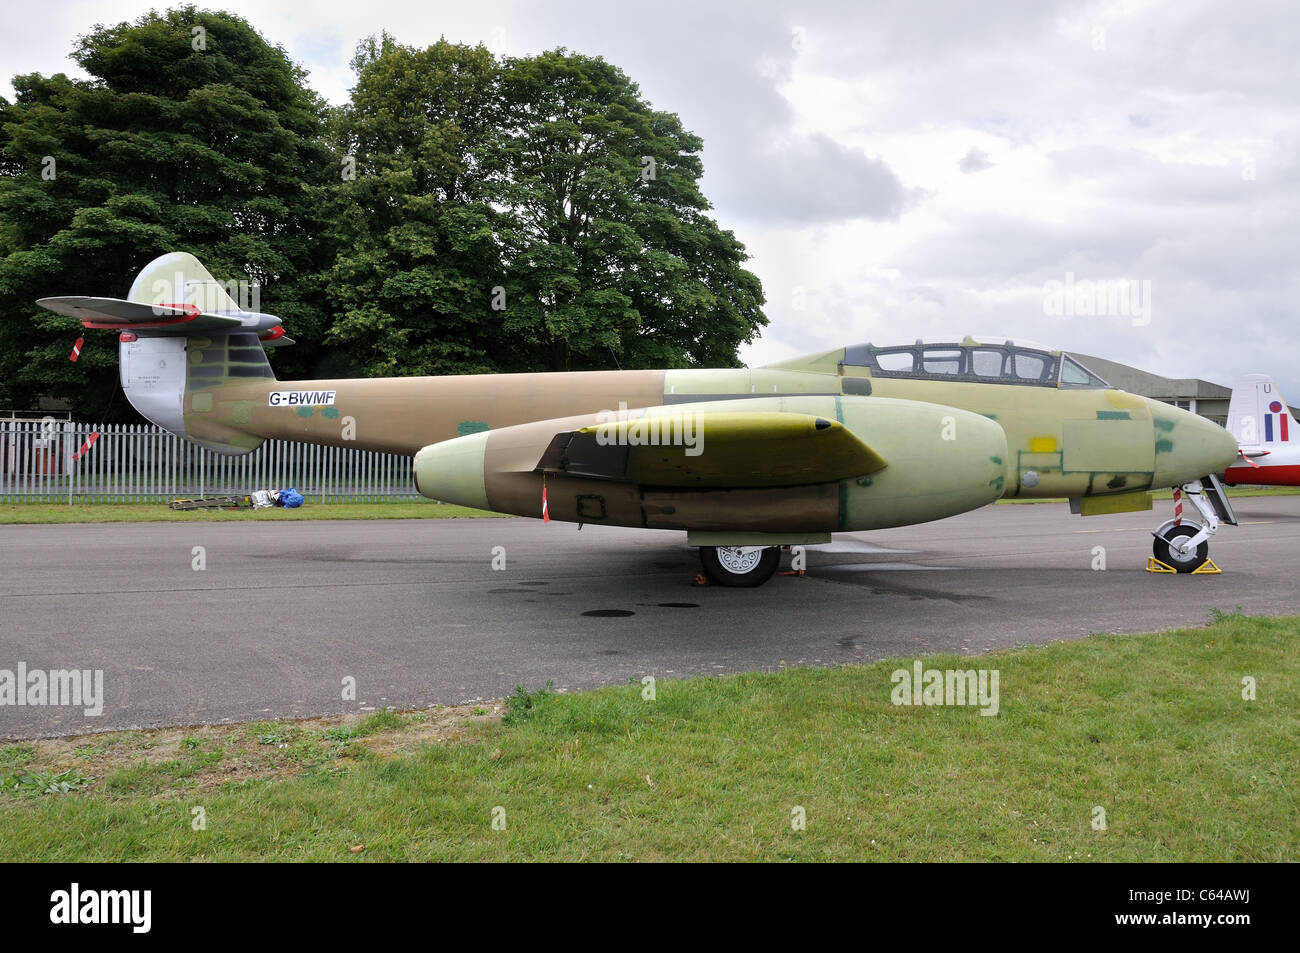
{"points": [[1275, 407]]}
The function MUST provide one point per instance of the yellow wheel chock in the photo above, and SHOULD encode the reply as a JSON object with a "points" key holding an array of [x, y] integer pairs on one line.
{"points": [[1207, 568]]}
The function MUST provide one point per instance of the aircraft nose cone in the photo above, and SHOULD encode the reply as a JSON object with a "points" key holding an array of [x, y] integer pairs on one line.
{"points": [[1188, 446]]}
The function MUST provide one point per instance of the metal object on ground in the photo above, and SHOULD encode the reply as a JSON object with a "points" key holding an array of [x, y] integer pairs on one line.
{"points": [[213, 503]]}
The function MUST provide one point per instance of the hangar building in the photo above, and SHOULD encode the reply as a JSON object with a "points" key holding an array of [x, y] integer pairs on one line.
{"points": [[1206, 398]]}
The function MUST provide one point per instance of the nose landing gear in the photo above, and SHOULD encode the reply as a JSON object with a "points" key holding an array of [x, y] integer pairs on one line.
{"points": [[1184, 546]]}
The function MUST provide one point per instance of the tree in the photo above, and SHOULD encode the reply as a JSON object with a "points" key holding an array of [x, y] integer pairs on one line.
{"points": [[411, 285], [534, 214], [192, 134], [609, 255], [459, 214]]}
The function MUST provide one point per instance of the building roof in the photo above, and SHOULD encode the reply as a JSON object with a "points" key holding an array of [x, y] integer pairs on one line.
{"points": [[1137, 381]]}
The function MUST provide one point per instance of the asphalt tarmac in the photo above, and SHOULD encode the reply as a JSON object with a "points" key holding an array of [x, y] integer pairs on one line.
{"points": [[280, 615]]}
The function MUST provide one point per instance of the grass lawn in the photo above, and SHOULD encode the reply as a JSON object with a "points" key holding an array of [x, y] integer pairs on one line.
{"points": [[160, 513], [1151, 728]]}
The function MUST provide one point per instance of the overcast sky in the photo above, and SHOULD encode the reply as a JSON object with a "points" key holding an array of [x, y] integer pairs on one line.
{"points": [[910, 169]]}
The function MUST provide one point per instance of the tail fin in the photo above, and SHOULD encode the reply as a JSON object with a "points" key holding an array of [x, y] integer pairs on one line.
{"points": [[181, 334], [1258, 414]]}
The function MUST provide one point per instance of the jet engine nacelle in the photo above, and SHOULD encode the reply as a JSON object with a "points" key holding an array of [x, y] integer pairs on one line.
{"points": [[772, 465]]}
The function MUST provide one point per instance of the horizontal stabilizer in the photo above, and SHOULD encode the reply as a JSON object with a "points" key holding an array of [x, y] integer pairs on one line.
{"points": [[118, 315], [182, 320], [677, 447]]}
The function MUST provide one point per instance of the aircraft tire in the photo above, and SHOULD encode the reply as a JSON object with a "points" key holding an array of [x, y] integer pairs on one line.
{"points": [[740, 566], [1167, 555]]}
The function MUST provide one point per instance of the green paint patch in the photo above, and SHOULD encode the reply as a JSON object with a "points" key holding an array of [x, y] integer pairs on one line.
{"points": [[990, 416], [201, 403], [467, 427], [240, 413], [997, 460], [998, 482], [1163, 423], [1113, 415], [329, 413], [1164, 446], [304, 411]]}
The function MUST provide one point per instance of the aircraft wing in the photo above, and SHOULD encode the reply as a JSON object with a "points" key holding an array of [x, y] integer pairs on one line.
{"points": [[714, 449]]}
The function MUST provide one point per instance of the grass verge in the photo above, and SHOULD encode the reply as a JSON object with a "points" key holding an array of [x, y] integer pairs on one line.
{"points": [[1153, 729], [160, 513]]}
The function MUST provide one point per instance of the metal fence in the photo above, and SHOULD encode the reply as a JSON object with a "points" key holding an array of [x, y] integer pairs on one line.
{"points": [[61, 461]]}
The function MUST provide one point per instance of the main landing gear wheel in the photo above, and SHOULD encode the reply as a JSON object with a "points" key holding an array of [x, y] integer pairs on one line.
{"points": [[744, 566], [1174, 556]]}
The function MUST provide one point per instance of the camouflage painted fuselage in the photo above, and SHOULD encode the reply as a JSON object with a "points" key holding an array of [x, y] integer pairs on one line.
{"points": [[949, 445]]}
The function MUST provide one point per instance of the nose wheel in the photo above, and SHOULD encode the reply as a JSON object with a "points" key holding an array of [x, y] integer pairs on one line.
{"points": [[1185, 546], [1179, 549]]}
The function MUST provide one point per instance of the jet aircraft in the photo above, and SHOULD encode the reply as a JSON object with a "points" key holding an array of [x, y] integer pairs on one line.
{"points": [[744, 461]]}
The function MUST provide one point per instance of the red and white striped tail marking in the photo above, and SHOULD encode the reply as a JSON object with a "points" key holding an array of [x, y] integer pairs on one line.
{"points": [[1178, 505], [76, 349], [90, 442]]}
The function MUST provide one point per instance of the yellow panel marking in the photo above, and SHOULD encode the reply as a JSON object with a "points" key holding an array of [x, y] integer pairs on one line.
{"points": [[1118, 398], [1042, 444], [1132, 502]]}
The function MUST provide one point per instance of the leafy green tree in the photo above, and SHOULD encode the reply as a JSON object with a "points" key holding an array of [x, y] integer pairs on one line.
{"points": [[193, 133], [611, 259], [531, 215], [411, 285]]}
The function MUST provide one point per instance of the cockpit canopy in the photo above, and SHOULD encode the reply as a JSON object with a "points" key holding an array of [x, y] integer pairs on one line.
{"points": [[979, 361]]}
